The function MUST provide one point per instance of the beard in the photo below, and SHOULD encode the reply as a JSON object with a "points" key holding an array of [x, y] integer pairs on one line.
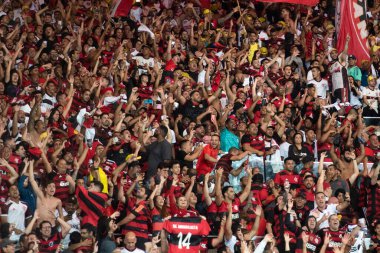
{"points": [[347, 159]]}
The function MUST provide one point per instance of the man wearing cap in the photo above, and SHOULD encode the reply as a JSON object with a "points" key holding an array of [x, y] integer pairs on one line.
{"points": [[353, 69], [7, 246]]}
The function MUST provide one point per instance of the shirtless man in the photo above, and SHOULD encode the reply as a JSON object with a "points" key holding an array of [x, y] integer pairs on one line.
{"points": [[345, 163], [46, 202], [36, 126]]}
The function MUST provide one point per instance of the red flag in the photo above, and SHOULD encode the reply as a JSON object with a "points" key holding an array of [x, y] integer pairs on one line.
{"points": [[352, 23], [304, 2], [122, 8], [206, 4]]}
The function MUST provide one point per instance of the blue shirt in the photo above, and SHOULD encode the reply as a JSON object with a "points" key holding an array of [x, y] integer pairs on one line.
{"points": [[27, 194], [228, 140]]}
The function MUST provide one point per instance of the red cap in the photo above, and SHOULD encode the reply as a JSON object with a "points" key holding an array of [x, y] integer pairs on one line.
{"points": [[105, 109], [35, 152], [106, 90]]}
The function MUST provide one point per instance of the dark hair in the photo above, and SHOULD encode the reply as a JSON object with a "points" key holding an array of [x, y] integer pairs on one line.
{"points": [[164, 130], [53, 111], [102, 228], [175, 162], [340, 190], [89, 227], [75, 237], [225, 189], [22, 144], [4, 230], [288, 159], [45, 221], [294, 137], [98, 184]]}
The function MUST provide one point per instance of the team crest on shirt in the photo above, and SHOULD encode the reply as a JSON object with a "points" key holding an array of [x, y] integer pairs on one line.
{"points": [[200, 106], [51, 244], [260, 138], [295, 179]]}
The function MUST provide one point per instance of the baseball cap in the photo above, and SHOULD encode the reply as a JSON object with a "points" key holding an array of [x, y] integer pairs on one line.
{"points": [[351, 56], [370, 78], [264, 50]]}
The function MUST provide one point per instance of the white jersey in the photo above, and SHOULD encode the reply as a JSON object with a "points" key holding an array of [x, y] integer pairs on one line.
{"points": [[372, 97], [321, 87]]}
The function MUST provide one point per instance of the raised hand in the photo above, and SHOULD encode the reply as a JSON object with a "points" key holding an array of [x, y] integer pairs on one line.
{"points": [[258, 211], [305, 237]]}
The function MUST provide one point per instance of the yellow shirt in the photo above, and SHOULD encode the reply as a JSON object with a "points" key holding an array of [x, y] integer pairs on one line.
{"points": [[103, 179], [252, 49]]}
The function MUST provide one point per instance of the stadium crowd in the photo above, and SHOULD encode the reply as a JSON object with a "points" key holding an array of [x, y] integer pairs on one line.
{"points": [[232, 127]]}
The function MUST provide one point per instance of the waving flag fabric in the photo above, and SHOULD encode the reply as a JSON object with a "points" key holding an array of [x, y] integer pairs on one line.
{"points": [[121, 8], [352, 23], [304, 2]]}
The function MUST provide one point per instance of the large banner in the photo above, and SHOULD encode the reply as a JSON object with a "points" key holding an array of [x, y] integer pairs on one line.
{"points": [[352, 23], [303, 2], [121, 8]]}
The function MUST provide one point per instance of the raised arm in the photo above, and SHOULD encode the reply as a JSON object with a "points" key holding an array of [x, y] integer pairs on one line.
{"points": [[228, 234], [360, 158], [30, 226], [190, 189], [355, 175], [64, 226], [218, 187], [206, 193], [33, 182], [46, 162], [243, 196], [258, 211], [333, 155]]}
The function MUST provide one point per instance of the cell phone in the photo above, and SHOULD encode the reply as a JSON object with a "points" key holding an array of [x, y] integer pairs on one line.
{"points": [[148, 101]]}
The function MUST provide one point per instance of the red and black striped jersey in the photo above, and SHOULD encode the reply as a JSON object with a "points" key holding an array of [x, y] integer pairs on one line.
{"points": [[140, 224], [223, 208], [51, 244], [256, 142], [185, 234], [92, 203], [312, 246], [373, 199], [335, 239], [278, 220], [61, 185], [292, 177], [157, 221]]}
